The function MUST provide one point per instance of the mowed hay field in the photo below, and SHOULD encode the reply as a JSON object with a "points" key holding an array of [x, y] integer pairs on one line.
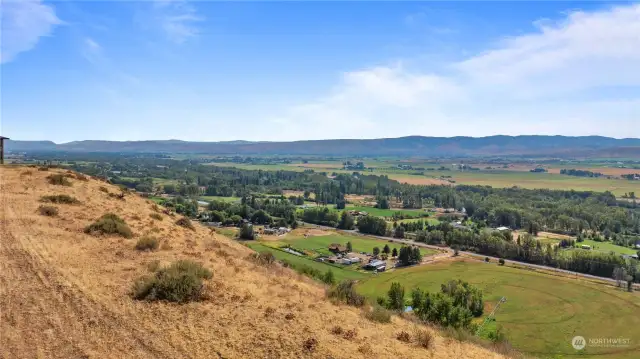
{"points": [[542, 312], [65, 294]]}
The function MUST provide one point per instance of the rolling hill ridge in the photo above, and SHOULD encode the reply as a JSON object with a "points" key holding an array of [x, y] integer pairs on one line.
{"points": [[419, 146]]}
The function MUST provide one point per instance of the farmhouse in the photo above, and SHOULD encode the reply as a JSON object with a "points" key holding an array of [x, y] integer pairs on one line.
{"points": [[585, 246], [337, 248], [378, 265]]}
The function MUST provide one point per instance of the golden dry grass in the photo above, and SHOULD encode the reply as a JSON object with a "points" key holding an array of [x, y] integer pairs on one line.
{"points": [[64, 294]]}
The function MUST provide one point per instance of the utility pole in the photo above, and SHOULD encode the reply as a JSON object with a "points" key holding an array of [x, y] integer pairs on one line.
{"points": [[493, 312]]}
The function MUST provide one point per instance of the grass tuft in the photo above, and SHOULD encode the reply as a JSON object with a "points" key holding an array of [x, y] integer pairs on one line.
{"points": [[186, 223], [48, 211], [109, 224], [156, 216], [147, 244], [379, 315], [58, 180], [60, 199], [181, 282]]}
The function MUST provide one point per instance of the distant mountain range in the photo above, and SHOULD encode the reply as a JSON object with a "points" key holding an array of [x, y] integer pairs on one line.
{"points": [[417, 146]]}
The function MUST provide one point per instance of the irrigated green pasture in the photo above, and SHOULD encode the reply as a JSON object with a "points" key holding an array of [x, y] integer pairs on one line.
{"points": [[542, 312]]}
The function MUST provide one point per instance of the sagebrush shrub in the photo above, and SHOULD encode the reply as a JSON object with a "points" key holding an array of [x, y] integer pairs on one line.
{"points": [[424, 338], [265, 258], [345, 292], [180, 282], [109, 224], [378, 314], [156, 216], [49, 211], [103, 189], [403, 337], [186, 223], [59, 198], [58, 179], [147, 244]]}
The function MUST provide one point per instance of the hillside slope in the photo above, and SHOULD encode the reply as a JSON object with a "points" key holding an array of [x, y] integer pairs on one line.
{"points": [[65, 293]]}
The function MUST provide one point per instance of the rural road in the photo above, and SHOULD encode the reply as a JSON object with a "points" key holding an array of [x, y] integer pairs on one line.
{"points": [[481, 256]]}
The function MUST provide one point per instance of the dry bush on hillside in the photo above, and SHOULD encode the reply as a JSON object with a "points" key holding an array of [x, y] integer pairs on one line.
{"points": [[103, 189], [153, 266], [43, 168], [49, 211], [180, 282], [135, 217], [109, 224], [424, 338], [404, 337], [337, 330], [186, 223], [156, 216], [310, 345], [58, 180], [60, 199], [350, 334], [147, 244], [81, 177], [289, 316], [26, 173], [378, 314], [263, 258], [345, 292]]}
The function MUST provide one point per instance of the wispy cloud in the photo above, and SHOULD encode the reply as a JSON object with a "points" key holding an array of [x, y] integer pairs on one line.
{"points": [[23, 24], [553, 80], [178, 19]]}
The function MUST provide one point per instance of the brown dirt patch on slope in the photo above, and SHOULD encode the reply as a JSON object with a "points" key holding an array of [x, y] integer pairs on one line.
{"points": [[64, 293]]}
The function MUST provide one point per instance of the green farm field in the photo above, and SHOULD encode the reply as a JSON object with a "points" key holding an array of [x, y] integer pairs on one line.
{"points": [[340, 272], [608, 247], [542, 312], [389, 212], [494, 178], [219, 198], [320, 244]]}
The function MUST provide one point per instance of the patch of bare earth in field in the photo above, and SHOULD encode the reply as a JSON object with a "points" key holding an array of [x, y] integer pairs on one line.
{"points": [[65, 294]]}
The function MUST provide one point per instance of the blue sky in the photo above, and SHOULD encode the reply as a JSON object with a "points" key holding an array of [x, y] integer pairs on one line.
{"points": [[219, 71]]}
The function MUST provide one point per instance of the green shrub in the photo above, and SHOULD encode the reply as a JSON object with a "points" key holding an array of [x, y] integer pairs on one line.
{"points": [[345, 292], [501, 261], [49, 211], [109, 224], [147, 244], [246, 232], [186, 223], [378, 314], [156, 216], [58, 179], [180, 282], [59, 198]]}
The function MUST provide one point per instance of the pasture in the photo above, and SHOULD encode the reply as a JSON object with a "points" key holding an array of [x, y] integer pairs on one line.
{"points": [[509, 177], [378, 212], [608, 247], [320, 244], [340, 272], [542, 312], [219, 198]]}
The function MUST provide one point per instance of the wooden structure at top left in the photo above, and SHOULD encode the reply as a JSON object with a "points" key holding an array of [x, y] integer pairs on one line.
{"points": [[2, 149]]}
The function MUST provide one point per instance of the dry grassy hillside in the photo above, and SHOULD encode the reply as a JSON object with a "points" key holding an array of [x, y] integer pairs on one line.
{"points": [[65, 294]]}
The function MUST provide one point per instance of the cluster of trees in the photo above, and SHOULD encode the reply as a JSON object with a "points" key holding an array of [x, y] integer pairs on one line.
{"points": [[455, 305], [409, 255], [527, 249], [631, 176], [266, 211], [580, 173], [372, 225]]}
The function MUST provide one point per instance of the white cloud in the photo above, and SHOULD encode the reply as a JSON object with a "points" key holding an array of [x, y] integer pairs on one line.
{"points": [[557, 80], [177, 19], [23, 23]]}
